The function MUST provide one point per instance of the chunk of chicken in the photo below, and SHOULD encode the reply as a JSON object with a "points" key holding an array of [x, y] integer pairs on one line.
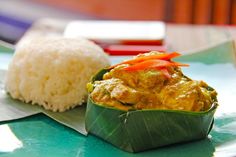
{"points": [[186, 95]]}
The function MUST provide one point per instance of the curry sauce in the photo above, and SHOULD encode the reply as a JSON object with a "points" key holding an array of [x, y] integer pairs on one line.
{"points": [[151, 89]]}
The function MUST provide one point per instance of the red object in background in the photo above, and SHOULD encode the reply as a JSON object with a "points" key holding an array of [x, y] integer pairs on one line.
{"points": [[221, 11], [182, 11], [113, 9], [131, 49], [233, 13], [202, 11], [177, 11]]}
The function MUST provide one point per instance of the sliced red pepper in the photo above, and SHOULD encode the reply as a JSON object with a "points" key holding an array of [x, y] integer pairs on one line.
{"points": [[148, 64], [179, 64], [161, 56], [154, 63]]}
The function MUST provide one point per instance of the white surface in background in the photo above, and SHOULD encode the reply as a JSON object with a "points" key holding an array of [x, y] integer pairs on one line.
{"points": [[9, 142], [116, 30]]}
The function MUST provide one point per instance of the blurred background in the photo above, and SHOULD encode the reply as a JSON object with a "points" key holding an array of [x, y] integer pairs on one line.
{"points": [[16, 16]]}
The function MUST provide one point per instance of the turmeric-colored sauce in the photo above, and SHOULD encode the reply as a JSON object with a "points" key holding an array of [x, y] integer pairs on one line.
{"points": [[151, 89]]}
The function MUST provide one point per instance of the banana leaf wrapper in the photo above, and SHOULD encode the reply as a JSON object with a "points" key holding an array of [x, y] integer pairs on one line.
{"points": [[140, 130]]}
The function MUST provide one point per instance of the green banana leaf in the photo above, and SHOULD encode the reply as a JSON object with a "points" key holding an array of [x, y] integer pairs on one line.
{"points": [[140, 130]]}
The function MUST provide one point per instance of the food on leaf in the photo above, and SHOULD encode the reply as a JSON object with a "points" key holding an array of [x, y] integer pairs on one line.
{"points": [[147, 102], [152, 84]]}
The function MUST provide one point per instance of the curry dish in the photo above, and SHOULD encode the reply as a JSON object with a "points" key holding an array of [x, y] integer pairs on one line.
{"points": [[151, 88]]}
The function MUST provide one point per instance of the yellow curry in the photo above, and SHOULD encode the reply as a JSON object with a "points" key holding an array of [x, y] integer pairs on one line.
{"points": [[151, 88]]}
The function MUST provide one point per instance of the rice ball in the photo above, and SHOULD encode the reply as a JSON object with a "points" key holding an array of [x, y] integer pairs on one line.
{"points": [[53, 72]]}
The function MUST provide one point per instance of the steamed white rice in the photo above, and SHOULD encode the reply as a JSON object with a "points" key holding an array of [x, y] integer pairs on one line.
{"points": [[53, 72]]}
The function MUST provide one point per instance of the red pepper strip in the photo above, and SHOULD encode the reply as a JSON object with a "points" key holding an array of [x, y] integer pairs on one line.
{"points": [[179, 64], [164, 56], [154, 63], [148, 64], [170, 55]]}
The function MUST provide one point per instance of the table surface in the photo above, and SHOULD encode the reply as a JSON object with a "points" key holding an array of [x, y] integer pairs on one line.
{"points": [[182, 38], [32, 131], [41, 136]]}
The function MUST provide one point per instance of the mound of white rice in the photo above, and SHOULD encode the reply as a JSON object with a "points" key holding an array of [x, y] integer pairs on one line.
{"points": [[53, 72]]}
